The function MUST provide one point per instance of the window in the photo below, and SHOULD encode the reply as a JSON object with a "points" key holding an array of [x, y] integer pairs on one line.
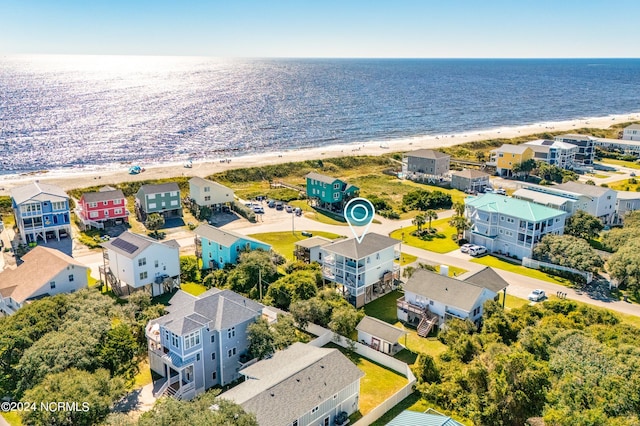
{"points": [[174, 340], [71, 278], [93, 204], [197, 357], [166, 336], [174, 193], [207, 197], [295, 423], [315, 410], [142, 261], [105, 203], [143, 275], [510, 220], [231, 352], [326, 421], [192, 340], [231, 332], [213, 356], [155, 263], [336, 195], [219, 246], [214, 375], [174, 202], [93, 214], [151, 196], [117, 202], [52, 284], [213, 339], [207, 189], [336, 186], [377, 256], [152, 205], [117, 211]]}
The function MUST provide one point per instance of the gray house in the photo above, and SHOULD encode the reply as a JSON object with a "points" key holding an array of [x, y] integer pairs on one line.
{"points": [[425, 164], [586, 148], [202, 342], [470, 180], [301, 385], [163, 198]]}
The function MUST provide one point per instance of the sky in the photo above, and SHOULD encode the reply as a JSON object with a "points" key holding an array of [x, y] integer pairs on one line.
{"points": [[324, 28]]}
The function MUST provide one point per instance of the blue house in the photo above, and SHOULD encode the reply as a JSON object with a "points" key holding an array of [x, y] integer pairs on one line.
{"points": [[217, 247], [41, 211]]}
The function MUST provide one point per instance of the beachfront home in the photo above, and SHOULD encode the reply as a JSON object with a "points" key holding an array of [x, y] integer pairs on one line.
{"points": [[133, 262], [302, 385], [556, 153], [631, 133], [586, 148], [623, 146], [363, 271], [329, 193], [162, 198], [309, 250], [470, 180], [626, 202], [431, 299], [380, 335], [507, 156], [104, 207], [217, 247], [510, 226], [206, 193], [202, 342], [43, 272], [425, 165]]}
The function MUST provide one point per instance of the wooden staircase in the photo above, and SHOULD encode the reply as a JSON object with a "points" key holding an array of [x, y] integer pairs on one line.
{"points": [[427, 321]]}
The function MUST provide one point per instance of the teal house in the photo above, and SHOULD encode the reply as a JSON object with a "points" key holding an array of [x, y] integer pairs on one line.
{"points": [[217, 247], [163, 198], [329, 193]]}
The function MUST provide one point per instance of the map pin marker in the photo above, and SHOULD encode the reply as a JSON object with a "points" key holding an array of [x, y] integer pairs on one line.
{"points": [[359, 212]]}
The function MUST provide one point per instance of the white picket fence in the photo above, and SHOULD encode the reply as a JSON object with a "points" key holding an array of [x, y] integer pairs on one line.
{"points": [[326, 336], [536, 264]]}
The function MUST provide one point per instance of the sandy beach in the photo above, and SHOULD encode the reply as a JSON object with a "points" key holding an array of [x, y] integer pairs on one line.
{"points": [[80, 178]]}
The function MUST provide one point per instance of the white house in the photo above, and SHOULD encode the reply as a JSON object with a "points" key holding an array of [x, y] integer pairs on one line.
{"points": [[135, 262], [431, 299], [602, 202], [302, 385], [626, 202], [625, 146], [205, 192], [510, 226], [586, 148], [44, 272], [310, 250], [380, 335], [363, 271], [557, 153], [631, 133]]}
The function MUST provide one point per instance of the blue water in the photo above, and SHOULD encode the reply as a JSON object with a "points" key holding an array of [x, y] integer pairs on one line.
{"points": [[68, 111]]}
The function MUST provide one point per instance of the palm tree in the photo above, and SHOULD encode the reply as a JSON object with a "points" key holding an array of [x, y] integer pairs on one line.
{"points": [[459, 208], [430, 215], [418, 221], [461, 224]]}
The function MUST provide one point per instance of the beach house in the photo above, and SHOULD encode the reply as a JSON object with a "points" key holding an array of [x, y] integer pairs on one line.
{"points": [[505, 158], [329, 193], [622, 146], [202, 342], [43, 272], [586, 148], [626, 202], [207, 193], [631, 132], [162, 198], [362, 271], [425, 165], [309, 250], [133, 262], [41, 211], [431, 299], [217, 247], [104, 207], [556, 153], [470, 180], [302, 385], [510, 226]]}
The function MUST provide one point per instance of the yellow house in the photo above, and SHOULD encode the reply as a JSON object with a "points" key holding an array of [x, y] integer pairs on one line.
{"points": [[507, 156]]}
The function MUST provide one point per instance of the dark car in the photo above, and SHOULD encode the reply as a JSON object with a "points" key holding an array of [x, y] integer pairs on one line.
{"points": [[272, 203], [279, 205]]}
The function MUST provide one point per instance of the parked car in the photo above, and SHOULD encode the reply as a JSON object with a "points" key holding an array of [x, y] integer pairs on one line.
{"points": [[258, 210], [279, 205], [271, 203], [63, 234], [500, 191], [537, 295], [477, 250], [465, 248], [288, 208]]}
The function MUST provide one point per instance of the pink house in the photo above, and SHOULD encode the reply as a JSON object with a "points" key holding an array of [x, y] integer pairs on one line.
{"points": [[106, 205]]}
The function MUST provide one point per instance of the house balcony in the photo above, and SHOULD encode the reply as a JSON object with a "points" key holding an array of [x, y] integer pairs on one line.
{"points": [[403, 304]]}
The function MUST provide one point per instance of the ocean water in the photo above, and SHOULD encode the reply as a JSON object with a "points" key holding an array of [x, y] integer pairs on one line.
{"points": [[73, 111]]}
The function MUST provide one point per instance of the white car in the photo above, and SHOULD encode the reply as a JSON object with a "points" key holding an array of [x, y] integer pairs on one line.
{"points": [[465, 248], [536, 295], [477, 250]]}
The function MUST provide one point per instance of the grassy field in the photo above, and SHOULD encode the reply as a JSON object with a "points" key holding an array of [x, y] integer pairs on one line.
{"points": [[626, 185], [316, 215], [495, 262], [621, 163], [193, 288], [406, 259], [440, 242], [13, 418], [414, 403], [514, 302], [143, 377], [283, 242]]}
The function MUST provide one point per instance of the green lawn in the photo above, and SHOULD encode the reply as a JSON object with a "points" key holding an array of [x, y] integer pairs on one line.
{"points": [[414, 403], [378, 383], [515, 302], [92, 281], [625, 185], [193, 288], [621, 163], [317, 215], [454, 271], [283, 242], [440, 242], [143, 377], [13, 418], [495, 262], [406, 259]]}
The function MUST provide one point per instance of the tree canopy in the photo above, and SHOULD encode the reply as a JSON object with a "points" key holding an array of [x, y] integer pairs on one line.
{"points": [[583, 225], [569, 251]]}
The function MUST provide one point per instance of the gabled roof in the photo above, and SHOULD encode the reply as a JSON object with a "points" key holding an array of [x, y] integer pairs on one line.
{"points": [[220, 236], [581, 188], [446, 290], [551, 144], [286, 386], [628, 195], [513, 149], [371, 243], [198, 181], [37, 191], [487, 278], [574, 136], [159, 188], [39, 267], [632, 127], [414, 418], [131, 245], [215, 308], [542, 197], [94, 197], [313, 242], [321, 178], [427, 153], [381, 329], [513, 207], [470, 174]]}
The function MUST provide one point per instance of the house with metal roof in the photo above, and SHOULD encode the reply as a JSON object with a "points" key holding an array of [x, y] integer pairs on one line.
{"points": [[508, 156], [470, 180], [425, 165], [428, 418], [631, 132], [204, 192], [163, 199], [364, 270], [41, 211], [217, 247], [329, 193], [103, 207], [134, 262], [431, 299], [380, 335], [308, 250], [510, 226], [43, 272], [202, 342], [302, 385]]}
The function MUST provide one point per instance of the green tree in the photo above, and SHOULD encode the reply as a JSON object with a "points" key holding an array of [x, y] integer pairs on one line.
{"points": [[216, 278], [189, 269], [253, 266], [419, 222], [624, 266], [615, 238], [569, 251], [430, 215], [284, 332], [461, 224], [459, 208], [261, 339], [425, 369], [118, 351], [154, 222], [583, 225], [344, 320]]}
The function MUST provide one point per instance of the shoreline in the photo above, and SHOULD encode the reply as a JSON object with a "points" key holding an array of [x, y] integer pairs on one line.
{"points": [[102, 175]]}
